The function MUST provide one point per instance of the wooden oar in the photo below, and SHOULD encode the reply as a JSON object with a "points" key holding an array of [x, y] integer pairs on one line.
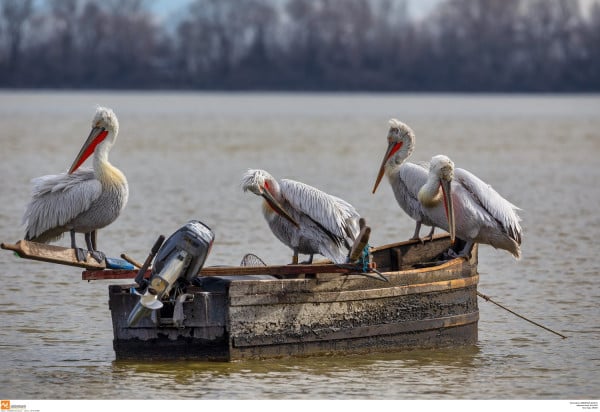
{"points": [[361, 241], [139, 277], [131, 260]]}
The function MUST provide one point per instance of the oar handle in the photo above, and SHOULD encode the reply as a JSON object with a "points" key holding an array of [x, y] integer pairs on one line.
{"points": [[360, 242], [140, 276]]}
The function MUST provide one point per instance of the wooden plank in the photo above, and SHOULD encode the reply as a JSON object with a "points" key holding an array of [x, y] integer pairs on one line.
{"points": [[396, 256], [115, 274], [411, 242], [243, 299], [233, 270], [454, 269], [277, 269], [53, 254]]}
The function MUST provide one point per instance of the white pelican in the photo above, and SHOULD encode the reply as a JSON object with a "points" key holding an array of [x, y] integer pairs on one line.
{"points": [[481, 214], [408, 179], [81, 200], [304, 218]]}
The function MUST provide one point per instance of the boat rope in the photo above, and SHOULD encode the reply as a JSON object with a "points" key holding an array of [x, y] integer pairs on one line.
{"points": [[363, 267], [488, 299], [365, 259]]}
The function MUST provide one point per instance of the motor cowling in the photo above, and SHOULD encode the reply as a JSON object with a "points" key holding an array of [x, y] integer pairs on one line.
{"points": [[179, 260]]}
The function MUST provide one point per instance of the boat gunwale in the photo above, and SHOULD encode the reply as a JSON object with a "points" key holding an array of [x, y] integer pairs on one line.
{"points": [[312, 296], [409, 270]]}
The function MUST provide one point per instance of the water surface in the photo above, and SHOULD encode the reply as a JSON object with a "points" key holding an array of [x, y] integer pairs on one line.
{"points": [[184, 154]]}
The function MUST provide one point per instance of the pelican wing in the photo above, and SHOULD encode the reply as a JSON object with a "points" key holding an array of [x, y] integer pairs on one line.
{"points": [[414, 175], [500, 209], [58, 199], [336, 215], [409, 180]]}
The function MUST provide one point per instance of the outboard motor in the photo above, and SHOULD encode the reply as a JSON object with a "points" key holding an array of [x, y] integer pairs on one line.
{"points": [[178, 260]]}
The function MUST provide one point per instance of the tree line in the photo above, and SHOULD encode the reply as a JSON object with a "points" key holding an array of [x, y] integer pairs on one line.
{"points": [[329, 45]]}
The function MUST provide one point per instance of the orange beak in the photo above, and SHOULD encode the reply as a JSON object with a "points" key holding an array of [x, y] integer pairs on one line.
{"points": [[391, 150], [97, 135]]}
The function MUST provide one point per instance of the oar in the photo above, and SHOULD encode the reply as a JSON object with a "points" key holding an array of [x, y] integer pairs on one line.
{"points": [[360, 242], [131, 260], [487, 298], [139, 279]]}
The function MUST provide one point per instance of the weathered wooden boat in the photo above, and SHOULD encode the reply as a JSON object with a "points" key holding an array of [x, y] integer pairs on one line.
{"points": [[235, 313], [250, 312]]}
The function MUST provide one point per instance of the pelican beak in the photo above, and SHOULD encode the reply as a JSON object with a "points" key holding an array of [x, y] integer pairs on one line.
{"points": [[276, 206], [449, 207], [393, 147], [96, 136]]}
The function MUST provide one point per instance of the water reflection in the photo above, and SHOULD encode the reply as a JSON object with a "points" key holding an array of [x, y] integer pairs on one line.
{"points": [[385, 374]]}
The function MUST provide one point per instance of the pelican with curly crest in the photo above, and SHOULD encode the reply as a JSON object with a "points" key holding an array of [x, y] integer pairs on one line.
{"points": [[81, 200], [306, 219], [409, 181], [482, 215]]}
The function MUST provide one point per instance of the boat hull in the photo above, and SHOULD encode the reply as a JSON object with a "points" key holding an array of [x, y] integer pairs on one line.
{"points": [[236, 318]]}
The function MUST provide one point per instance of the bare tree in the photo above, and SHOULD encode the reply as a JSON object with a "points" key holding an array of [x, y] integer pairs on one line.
{"points": [[552, 36], [220, 34], [16, 14], [463, 45]]}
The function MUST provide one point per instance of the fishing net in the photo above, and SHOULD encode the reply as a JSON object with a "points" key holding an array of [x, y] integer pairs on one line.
{"points": [[250, 259]]}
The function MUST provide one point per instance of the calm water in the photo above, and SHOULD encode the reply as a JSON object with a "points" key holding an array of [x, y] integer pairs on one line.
{"points": [[184, 154]]}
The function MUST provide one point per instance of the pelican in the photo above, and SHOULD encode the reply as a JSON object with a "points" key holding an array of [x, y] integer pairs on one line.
{"points": [[481, 214], [408, 180], [81, 200], [304, 218]]}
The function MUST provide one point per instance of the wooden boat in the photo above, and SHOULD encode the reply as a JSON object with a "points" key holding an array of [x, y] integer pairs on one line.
{"points": [[250, 312], [235, 313]]}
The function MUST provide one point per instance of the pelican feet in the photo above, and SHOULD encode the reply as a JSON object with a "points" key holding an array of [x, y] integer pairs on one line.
{"points": [[430, 234], [465, 252], [295, 259], [81, 254], [417, 239], [308, 261], [99, 256], [415, 235], [462, 254], [424, 239]]}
